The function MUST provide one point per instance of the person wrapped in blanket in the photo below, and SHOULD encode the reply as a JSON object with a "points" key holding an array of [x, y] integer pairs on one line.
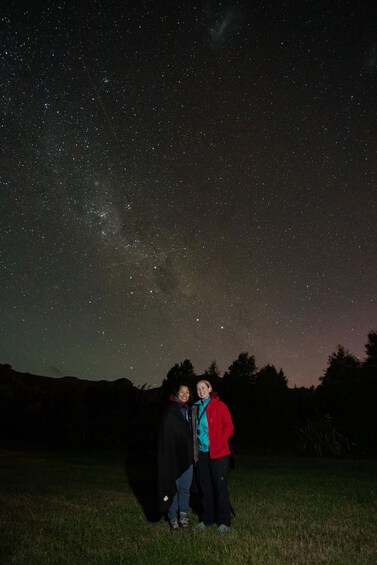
{"points": [[175, 458]]}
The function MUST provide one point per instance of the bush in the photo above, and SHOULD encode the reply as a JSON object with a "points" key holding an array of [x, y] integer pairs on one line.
{"points": [[319, 438]]}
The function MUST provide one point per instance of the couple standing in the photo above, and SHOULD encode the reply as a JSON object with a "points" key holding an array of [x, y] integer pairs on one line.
{"points": [[197, 434]]}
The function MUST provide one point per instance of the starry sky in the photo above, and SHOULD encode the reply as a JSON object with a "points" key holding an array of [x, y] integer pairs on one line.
{"points": [[186, 180]]}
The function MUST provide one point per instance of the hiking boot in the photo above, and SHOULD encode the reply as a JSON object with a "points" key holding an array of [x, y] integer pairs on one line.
{"points": [[223, 528], [183, 520], [174, 525]]}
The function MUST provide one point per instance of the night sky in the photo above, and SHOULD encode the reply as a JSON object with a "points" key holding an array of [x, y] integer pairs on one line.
{"points": [[187, 180]]}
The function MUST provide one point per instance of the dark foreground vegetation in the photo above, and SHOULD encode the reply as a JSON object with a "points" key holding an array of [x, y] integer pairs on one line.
{"points": [[81, 506], [338, 418]]}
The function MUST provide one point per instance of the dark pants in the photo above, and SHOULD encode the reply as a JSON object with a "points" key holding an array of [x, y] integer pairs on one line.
{"points": [[213, 483]]}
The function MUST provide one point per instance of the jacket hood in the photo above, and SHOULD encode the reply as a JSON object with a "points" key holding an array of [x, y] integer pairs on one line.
{"points": [[176, 400]]}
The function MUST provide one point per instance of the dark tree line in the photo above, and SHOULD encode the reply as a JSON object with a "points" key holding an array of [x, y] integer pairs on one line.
{"points": [[336, 418]]}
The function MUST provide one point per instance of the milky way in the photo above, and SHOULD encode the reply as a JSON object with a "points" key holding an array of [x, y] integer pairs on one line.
{"points": [[190, 180]]}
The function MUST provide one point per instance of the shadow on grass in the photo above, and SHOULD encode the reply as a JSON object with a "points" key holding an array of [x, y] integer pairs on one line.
{"points": [[141, 471]]}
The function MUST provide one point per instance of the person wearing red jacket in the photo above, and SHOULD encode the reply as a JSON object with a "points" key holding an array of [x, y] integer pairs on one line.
{"points": [[212, 428]]}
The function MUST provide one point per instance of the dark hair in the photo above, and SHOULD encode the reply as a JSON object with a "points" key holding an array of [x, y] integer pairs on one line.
{"points": [[179, 385]]}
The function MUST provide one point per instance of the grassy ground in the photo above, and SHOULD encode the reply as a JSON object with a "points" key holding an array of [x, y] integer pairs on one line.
{"points": [[82, 508]]}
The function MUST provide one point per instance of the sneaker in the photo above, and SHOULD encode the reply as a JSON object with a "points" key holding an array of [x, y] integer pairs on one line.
{"points": [[183, 520], [201, 526], [174, 525], [223, 529]]}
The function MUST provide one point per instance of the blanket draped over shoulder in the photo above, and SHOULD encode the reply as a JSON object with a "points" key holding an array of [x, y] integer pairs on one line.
{"points": [[175, 453]]}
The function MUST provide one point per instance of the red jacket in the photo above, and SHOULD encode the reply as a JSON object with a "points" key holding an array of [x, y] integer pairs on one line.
{"points": [[220, 427]]}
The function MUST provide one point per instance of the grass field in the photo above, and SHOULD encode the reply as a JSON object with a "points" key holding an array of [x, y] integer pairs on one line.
{"points": [[81, 507]]}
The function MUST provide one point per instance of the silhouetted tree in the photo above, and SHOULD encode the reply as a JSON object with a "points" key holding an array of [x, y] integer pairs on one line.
{"points": [[340, 393], [213, 372], [340, 383], [242, 370], [270, 411], [343, 370], [237, 392], [271, 380], [371, 351], [183, 372], [368, 418]]}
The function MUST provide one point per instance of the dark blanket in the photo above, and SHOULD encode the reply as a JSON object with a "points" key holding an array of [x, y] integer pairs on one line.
{"points": [[175, 453]]}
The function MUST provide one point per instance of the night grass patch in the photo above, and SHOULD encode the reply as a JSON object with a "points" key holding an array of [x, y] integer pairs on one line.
{"points": [[90, 507]]}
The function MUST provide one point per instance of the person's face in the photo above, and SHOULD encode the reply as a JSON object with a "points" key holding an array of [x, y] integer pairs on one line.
{"points": [[183, 394], [202, 390]]}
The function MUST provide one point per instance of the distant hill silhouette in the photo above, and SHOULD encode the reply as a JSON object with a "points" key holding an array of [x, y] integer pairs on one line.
{"points": [[72, 411], [9, 375]]}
